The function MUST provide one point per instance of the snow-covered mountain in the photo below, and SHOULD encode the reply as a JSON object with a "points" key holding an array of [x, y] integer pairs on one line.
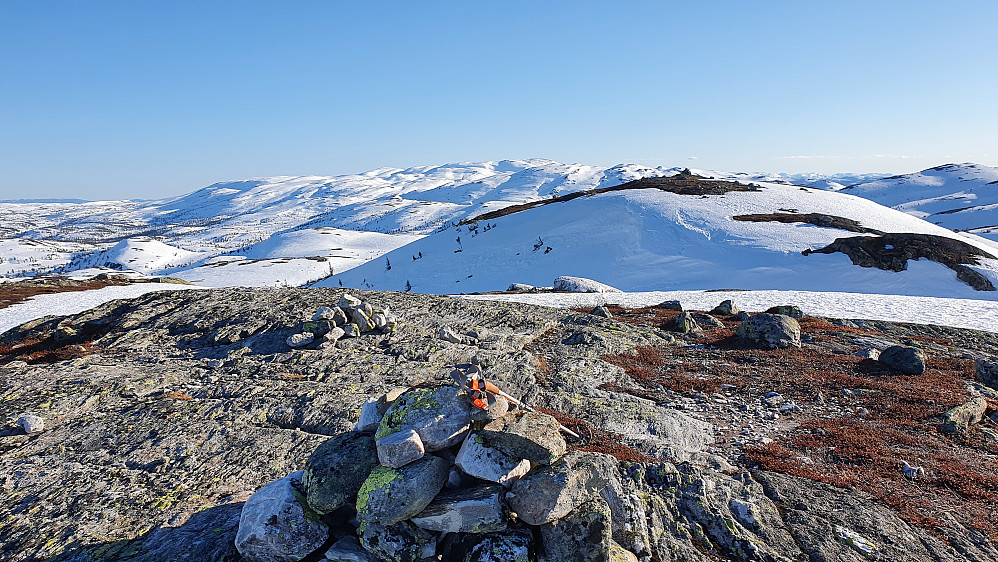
{"points": [[955, 196], [297, 230]]}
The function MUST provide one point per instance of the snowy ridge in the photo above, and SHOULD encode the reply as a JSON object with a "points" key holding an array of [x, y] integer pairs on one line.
{"points": [[955, 196]]}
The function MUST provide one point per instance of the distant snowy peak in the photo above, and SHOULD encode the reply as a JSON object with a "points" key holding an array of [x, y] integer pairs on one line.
{"points": [[143, 255], [955, 196]]}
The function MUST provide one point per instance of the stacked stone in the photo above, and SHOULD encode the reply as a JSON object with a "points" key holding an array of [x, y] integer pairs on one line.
{"points": [[351, 317], [424, 474]]}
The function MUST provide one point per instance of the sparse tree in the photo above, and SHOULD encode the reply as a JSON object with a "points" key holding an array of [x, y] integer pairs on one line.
{"points": [[388, 264], [408, 286]]}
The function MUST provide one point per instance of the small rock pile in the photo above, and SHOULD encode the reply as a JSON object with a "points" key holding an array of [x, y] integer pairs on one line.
{"points": [[351, 317], [425, 475]]}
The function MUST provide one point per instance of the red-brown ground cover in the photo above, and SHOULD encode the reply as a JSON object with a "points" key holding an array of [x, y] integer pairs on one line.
{"points": [[894, 416]]}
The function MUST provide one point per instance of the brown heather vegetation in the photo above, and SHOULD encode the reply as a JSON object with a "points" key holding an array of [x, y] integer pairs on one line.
{"points": [[860, 450]]}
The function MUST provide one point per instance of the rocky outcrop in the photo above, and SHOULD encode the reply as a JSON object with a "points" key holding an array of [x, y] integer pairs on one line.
{"points": [[180, 408], [582, 285]]}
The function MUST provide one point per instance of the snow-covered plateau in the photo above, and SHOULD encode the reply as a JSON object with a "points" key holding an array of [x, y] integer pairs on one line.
{"points": [[480, 227]]}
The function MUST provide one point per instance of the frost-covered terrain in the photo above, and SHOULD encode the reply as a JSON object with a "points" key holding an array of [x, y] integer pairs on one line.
{"points": [[956, 196]]}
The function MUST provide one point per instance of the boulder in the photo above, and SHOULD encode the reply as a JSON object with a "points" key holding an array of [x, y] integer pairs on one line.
{"points": [[787, 310], [438, 415], [349, 302], [770, 330], [336, 469], [601, 311], [398, 449], [585, 534], [401, 542], [706, 321], [526, 435], [348, 549], [582, 285], [960, 418], [324, 313], [687, 324], [726, 308], [274, 527], [478, 459], [910, 360], [515, 546], [670, 305], [474, 510], [351, 330], [30, 423], [551, 492], [334, 334], [868, 353], [300, 339], [390, 495]]}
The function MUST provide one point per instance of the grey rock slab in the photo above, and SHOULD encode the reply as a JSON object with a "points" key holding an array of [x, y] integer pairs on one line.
{"points": [[471, 510], [910, 360], [585, 534], [706, 321], [551, 492], [31, 423], [960, 418], [439, 415], [770, 330], [450, 334], [336, 469], [351, 330], [273, 525], [987, 373], [348, 549], [526, 435], [401, 542], [398, 449], [478, 459], [362, 320], [324, 313], [498, 407], [390, 495]]}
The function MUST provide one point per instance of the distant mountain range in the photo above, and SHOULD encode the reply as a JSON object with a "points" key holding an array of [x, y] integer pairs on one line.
{"points": [[697, 231]]}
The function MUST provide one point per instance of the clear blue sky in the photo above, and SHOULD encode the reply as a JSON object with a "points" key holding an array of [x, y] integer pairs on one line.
{"points": [[146, 99]]}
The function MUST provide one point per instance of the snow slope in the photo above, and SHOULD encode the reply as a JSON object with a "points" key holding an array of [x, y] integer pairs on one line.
{"points": [[648, 240], [955, 196]]}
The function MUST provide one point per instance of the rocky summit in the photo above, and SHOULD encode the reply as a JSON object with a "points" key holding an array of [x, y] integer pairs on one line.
{"points": [[316, 424]]}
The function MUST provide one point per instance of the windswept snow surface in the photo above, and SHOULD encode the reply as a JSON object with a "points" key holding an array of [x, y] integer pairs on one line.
{"points": [[960, 313], [63, 304], [956, 196], [648, 239]]}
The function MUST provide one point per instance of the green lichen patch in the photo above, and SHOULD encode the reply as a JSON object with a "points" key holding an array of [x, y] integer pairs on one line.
{"points": [[380, 478], [402, 410]]}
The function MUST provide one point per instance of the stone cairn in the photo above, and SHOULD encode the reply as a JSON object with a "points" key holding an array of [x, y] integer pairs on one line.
{"points": [[426, 476], [350, 318]]}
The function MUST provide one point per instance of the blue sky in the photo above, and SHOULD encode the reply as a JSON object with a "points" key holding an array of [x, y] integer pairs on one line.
{"points": [[146, 99]]}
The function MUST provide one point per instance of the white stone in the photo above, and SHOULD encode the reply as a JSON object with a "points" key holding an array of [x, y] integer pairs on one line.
{"points": [[370, 418], [348, 301], [302, 339], [31, 423], [448, 334], [481, 461], [399, 449], [324, 313], [362, 320]]}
